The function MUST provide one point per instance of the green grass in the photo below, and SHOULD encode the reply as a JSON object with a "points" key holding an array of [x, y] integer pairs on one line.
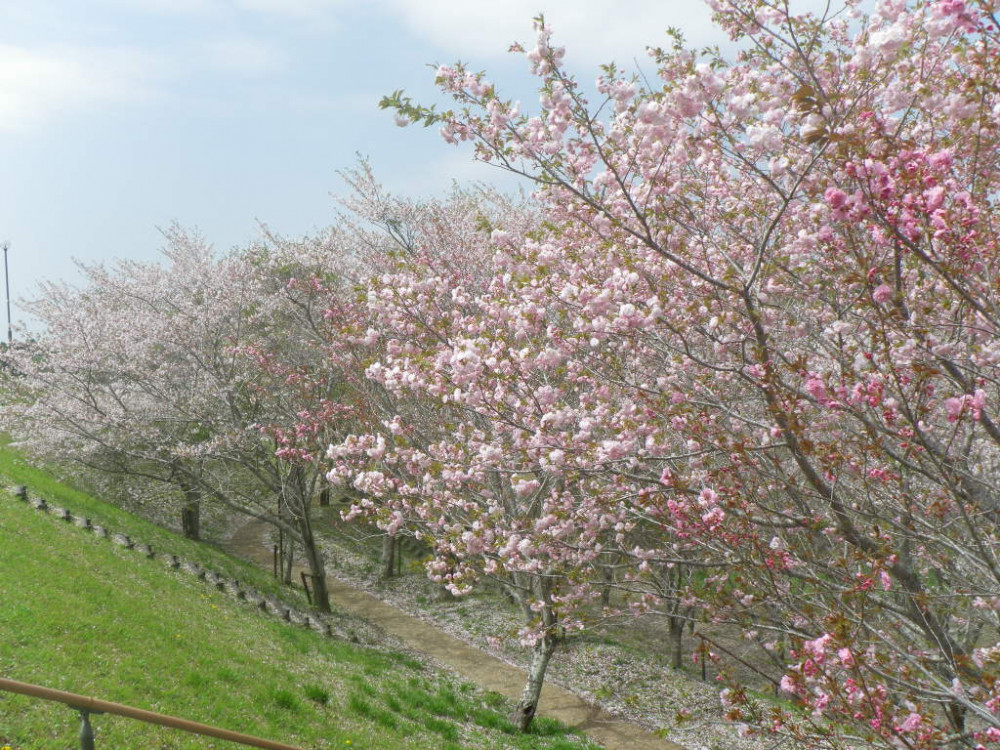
{"points": [[19, 471], [83, 615]]}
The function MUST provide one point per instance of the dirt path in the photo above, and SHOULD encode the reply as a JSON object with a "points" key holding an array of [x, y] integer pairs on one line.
{"points": [[476, 666]]}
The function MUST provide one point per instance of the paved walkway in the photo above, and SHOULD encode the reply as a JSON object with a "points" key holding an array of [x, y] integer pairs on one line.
{"points": [[473, 664]]}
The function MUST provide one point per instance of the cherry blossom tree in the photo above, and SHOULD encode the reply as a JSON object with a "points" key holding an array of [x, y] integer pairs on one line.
{"points": [[144, 372], [779, 275], [460, 448], [472, 458]]}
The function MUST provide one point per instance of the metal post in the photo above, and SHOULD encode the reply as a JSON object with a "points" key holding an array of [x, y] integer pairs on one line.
{"points": [[282, 553], [86, 731], [305, 585], [6, 279]]}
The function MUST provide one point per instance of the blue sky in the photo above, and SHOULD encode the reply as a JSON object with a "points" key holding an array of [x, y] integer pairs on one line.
{"points": [[121, 116]]}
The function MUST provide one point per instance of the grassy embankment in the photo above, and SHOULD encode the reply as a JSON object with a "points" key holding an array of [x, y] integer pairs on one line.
{"points": [[80, 614]]}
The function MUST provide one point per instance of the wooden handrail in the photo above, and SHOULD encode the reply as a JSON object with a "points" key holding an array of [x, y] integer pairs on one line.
{"points": [[85, 703]]}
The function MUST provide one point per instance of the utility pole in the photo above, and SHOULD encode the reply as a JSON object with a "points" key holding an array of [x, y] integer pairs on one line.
{"points": [[6, 281]]}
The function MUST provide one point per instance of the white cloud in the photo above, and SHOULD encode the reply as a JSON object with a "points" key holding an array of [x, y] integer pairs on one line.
{"points": [[38, 84], [302, 9], [306, 10], [593, 33], [441, 167], [244, 55], [172, 7]]}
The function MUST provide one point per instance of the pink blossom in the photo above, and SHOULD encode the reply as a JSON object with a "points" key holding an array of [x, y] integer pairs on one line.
{"points": [[954, 407], [882, 293], [911, 723], [816, 388], [817, 647], [978, 403], [835, 197], [713, 518], [940, 160]]}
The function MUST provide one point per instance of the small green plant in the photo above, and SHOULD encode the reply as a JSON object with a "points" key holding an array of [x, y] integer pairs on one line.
{"points": [[363, 685], [368, 709], [543, 726], [386, 719], [443, 703], [359, 705], [559, 743], [317, 694], [195, 680], [286, 699], [227, 675], [492, 720], [494, 699], [446, 729]]}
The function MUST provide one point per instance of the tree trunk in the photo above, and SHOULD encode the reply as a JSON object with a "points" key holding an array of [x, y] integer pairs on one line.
{"points": [[317, 568], [525, 710], [299, 503], [956, 715], [608, 573], [676, 641], [191, 521], [317, 565], [286, 552], [387, 562], [191, 513], [286, 545]]}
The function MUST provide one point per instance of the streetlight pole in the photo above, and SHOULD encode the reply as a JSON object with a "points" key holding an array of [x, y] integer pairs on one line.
{"points": [[6, 281]]}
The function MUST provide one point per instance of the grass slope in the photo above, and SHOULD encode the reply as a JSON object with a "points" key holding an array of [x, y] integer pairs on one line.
{"points": [[83, 615]]}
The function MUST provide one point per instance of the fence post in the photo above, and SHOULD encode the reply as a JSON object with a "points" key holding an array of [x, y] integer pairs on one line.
{"points": [[86, 731], [305, 585]]}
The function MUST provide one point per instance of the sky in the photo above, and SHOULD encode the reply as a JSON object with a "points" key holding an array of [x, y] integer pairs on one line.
{"points": [[120, 117]]}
